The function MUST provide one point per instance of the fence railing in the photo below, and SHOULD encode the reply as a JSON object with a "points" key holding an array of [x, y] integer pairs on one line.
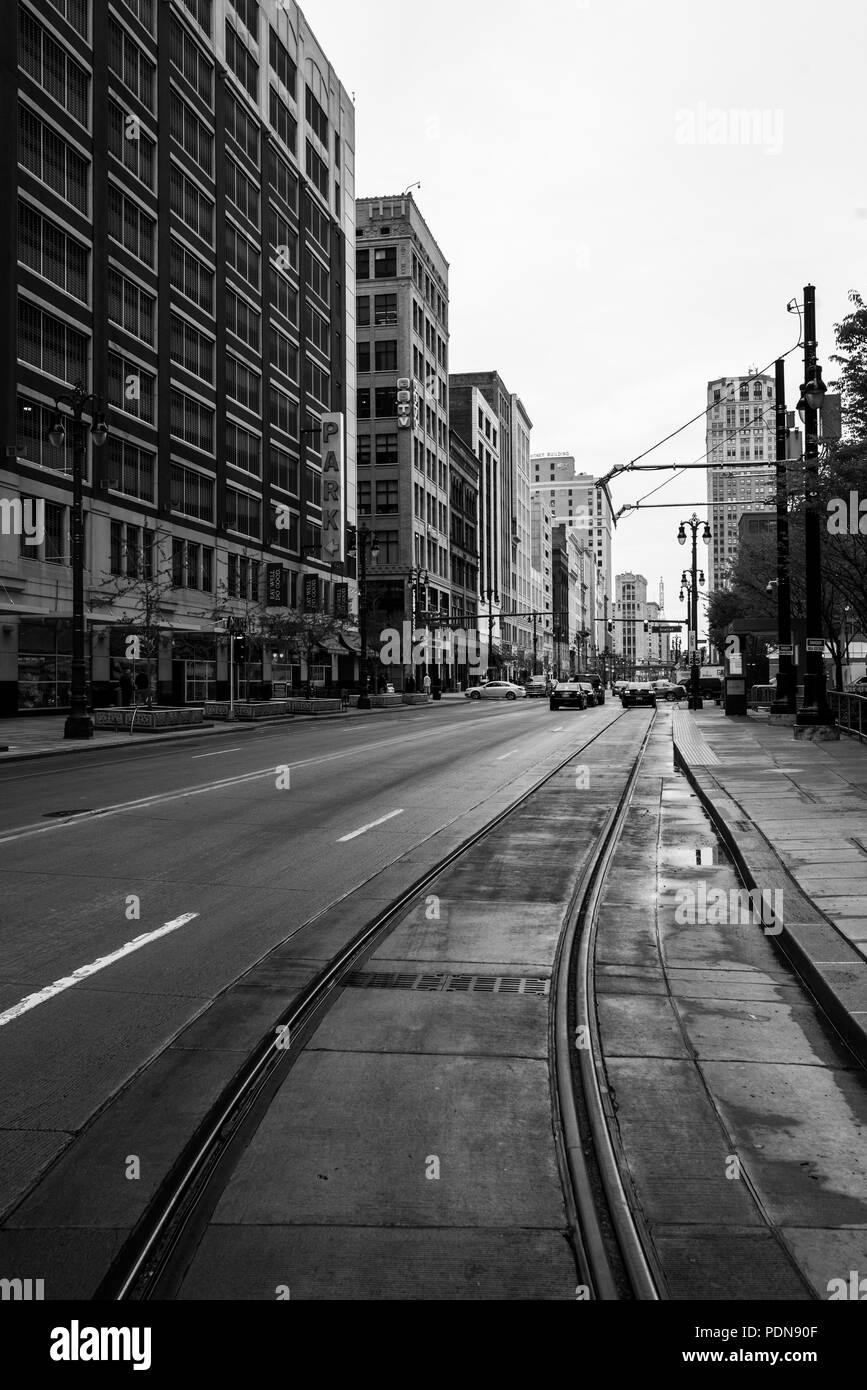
{"points": [[850, 712]]}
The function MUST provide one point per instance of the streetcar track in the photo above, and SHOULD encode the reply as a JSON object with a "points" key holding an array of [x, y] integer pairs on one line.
{"points": [[156, 1255]]}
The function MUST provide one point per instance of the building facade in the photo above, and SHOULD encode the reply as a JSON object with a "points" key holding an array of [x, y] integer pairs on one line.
{"points": [[741, 451], [464, 551], [182, 245], [403, 410], [632, 643]]}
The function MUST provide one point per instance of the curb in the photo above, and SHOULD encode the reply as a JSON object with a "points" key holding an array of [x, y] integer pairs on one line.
{"points": [[148, 740], [810, 943]]}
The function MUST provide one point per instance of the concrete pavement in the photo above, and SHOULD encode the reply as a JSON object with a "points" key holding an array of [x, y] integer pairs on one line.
{"points": [[794, 816]]}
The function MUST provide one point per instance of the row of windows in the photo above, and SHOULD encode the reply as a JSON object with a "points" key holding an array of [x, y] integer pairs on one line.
{"points": [[52, 68], [51, 345], [52, 160], [130, 226], [242, 128], [192, 134], [75, 13], [386, 498], [384, 310], [51, 253], [131, 307], [130, 66], [131, 389], [243, 320], [241, 62], [282, 64], [384, 263], [192, 206], [316, 117], [386, 449], [243, 384], [128, 143], [191, 349], [189, 60], [241, 191], [384, 357], [283, 122]]}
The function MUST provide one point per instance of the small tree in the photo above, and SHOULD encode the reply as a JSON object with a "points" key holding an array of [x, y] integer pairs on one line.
{"points": [[143, 596]]}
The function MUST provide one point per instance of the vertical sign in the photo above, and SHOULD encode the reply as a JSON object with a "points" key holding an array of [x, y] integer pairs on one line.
{"points": [[341, 600], [311, 593], [333, 488], [278, 587]]}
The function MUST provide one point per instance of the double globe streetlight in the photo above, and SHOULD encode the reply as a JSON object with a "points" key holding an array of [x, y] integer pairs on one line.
{"points": [[694, 523], [78, 723]]}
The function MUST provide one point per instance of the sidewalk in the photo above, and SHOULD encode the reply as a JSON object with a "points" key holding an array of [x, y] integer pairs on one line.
{"points": [[27, 737], [794, 816]]}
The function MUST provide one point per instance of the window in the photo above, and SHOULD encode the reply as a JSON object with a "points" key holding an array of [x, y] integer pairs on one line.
{"points": [[130, 388], [389, 547], [51, 253], [283, 180], [192, 422], [248, 13], [318, 226], [241, 191], [386, 309], [316, 117], [192, 206], [129, 65], [52, 160], [243, 256], [386, 401], [317, 171], [75, 13], [131, 307], [55, 534], [362, 357], [243, 449], [34, 421], [362, 265], [243, 384], [281, 63], [386, 356], [364, 404], [52, 68], [192, 135], [314, 487], [284, 355], [283, 122], [241, 127], [386, 448], [129, 145], [201, 12], [132, 470], [243, 320], [243, 514], [385, 263], [284, 297], [130, 226], [51, 345], [191, 63], [192, 493], [319, 333], [285, 471], [191, 277], [364, 498], [363, 456], [387, 498], [363, 311], [284, 241], [319, 280], [192, 350], [317, 383], [283, 411], [241, 62]]}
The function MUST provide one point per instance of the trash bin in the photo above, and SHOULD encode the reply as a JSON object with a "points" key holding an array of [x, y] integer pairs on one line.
{"points": [[436, 693], [736, 696]]}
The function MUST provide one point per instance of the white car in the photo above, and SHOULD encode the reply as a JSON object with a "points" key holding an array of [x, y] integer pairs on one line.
{"points": [[496, 690]]}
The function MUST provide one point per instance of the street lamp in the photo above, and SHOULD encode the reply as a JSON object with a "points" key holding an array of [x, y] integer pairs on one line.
{"points": [[78, 723], [815, 713], [694, 523], [361, 541], [493, 597]]}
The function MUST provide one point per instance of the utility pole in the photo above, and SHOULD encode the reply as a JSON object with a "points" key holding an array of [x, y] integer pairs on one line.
{"points": [[815, 713], [785, 703]]}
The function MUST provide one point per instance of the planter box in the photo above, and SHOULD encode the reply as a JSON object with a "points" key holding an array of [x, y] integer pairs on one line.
{"points": [[385, 701], [416, 699], [274, 709], [147, 720], [314, 706]]}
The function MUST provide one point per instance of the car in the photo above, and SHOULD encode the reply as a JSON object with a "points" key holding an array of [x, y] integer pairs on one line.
{"points": [[858, 687], [537, 687], [670, 693], [594, 697], [570, 694], [496, 690], [638, 693]]}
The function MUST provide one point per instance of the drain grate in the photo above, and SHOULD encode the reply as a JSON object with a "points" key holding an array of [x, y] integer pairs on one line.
{"points": [[452, 984]]}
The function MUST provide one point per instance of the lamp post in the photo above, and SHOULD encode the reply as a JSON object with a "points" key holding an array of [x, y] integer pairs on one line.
{"points": [[694, 523], [492, 597], [361, 541], [815, 713], [78, 723], [785, 703]]}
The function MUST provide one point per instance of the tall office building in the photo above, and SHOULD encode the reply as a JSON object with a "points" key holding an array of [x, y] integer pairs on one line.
{"points": [[741, 430], [632, 644], [184, 232], [403, 407]]}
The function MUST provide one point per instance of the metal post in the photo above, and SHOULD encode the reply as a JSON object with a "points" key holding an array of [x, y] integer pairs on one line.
{"points": [[785, 702], [232, 674], [364, 698], [78, 723], [535, 644], [697, 702], [815, 711]]}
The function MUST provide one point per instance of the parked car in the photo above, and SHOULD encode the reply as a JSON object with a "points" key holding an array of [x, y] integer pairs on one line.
{"points": [[570, 695], [668, 692], [638, 693], [496, 690], [538, 687]]}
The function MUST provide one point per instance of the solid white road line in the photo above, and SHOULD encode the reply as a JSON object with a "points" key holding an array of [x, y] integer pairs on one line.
{"points": [[222, 753], [514, 753], [86, 971], [344, 839]]}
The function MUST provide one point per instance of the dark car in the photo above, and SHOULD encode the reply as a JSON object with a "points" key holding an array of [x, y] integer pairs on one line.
{"points": [[594, 696], [569, 695], [638, 693], [671, 693]]}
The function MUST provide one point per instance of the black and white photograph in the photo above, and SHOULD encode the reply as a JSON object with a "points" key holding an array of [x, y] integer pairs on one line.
{"points": [[433, 673]]}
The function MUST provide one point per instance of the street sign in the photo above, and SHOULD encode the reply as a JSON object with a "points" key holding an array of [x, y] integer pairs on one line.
{"points": [[815, 644], [786, 651], [666, 627]]}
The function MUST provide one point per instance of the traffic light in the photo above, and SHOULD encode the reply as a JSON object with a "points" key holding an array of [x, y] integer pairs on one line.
{"points": [[240, 650], [647, 627], [611, 627]]}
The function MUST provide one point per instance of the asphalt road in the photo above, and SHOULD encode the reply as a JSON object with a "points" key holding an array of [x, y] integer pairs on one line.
{"points": [[214, 855]]}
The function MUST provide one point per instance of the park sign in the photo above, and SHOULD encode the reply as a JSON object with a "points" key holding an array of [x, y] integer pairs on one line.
{"points": [[333, 489]]}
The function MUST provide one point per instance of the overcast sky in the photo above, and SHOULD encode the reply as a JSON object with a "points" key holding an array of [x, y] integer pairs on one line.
{"points": [[628, 193]]}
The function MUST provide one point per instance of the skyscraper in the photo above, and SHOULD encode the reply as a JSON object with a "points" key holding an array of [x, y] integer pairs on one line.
{"points": [[741, 430]]}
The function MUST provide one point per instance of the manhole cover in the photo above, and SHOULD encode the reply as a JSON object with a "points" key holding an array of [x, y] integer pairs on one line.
{"points": [[62, 815]]}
